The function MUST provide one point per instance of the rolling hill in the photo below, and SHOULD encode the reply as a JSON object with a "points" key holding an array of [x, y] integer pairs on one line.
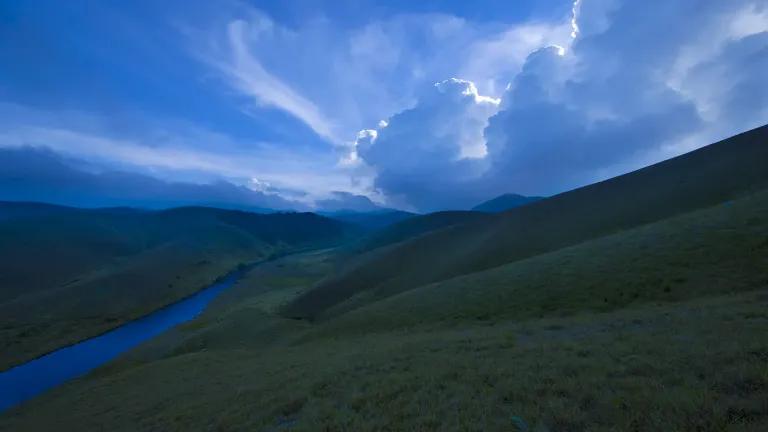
{"points": [[413, 227], [371, 220], [505, 202], [722, 249], [69, 273], [579, 338], [714, 174]]}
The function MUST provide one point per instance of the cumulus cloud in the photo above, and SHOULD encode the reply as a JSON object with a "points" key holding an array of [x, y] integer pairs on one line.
{"points": [[492, 60], [38, 174], [338, 78], [431, 149], [622, 94], [616, 110]]}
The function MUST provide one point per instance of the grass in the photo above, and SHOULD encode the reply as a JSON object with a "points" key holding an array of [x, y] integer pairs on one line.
{"points": [[69, 274], [713, 251], [527, 345], [699, 179], [413, 227], [638, 304], [698, 365]]}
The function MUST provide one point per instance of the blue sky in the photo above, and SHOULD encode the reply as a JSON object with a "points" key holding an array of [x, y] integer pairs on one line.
{"points": [[418, 105]]}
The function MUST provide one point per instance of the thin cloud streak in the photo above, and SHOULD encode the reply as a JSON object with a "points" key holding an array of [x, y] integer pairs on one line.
{"points": [[245, 73], [287, 172]]}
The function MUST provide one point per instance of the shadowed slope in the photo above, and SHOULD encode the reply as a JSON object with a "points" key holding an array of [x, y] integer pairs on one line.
{"points": [[708, 176], [714, 251], [371, 220], [505, 202], [414, 227]]}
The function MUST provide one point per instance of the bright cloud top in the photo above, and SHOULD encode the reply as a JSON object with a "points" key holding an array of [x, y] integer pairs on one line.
{"points": [[520, 99], [604, 105]]}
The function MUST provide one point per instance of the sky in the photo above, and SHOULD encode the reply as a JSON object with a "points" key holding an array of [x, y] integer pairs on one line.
{"points": [[362, 104]]}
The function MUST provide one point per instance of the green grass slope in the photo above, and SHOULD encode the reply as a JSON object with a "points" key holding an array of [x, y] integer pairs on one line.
{"points": [[714, 174], [67, 274], [505, 202], [715, 251], [371, 220], [660, 327], [414, 227]]}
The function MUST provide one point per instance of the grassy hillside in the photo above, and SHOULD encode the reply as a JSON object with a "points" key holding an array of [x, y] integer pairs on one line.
{"points": [[505, 202], [414, 227], [661, 327], [719, 250], [640, 309], [717, 173], [67, 274], [372, 220]]}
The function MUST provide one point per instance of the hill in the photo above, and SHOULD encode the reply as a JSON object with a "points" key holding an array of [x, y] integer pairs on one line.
{"points": [[718, 250], [69, 273], [591, 311], [581, 338], [372, 220], [413, 227], [699, 179], [505, 202]]}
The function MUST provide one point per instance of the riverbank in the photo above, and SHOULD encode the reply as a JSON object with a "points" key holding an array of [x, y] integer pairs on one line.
{"points": [[32, 378], [239, 367]]}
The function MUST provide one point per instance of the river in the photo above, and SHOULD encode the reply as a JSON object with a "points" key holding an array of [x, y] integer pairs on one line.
{"points": [[30, 379]]}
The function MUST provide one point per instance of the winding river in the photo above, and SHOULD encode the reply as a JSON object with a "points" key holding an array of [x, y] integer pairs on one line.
{"points": [[30, 379]]}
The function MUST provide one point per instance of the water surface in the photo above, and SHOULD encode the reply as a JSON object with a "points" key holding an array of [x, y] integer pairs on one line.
{"points": [[27, 380]]}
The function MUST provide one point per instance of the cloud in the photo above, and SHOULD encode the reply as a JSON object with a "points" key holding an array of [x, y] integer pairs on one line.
{"points": [[497, 57], [343, 78], [608, 106], [38, 174], [430, 150], [620, 95], [249, 76], [339, 77], [541, 106], [174, 150], [727, 88]]}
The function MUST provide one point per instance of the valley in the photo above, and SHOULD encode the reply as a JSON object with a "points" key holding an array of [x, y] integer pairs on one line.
{"points": [[638, 303], [69, 274]]}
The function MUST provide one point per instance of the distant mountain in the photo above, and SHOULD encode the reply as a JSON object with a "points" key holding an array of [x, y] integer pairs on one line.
{"points": [[505, 202], [23, 209], [371, 220]]}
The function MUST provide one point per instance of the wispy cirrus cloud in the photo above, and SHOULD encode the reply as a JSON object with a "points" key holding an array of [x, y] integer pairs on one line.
{"points": [[338, 78], [183, 152], [247, 74]]}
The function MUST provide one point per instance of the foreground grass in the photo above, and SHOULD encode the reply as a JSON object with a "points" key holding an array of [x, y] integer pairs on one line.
{"points": [[662, 327], [699, 365]]}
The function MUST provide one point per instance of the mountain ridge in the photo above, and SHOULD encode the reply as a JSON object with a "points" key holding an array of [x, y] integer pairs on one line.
{"points": [[691, 181], [505, 202]]}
